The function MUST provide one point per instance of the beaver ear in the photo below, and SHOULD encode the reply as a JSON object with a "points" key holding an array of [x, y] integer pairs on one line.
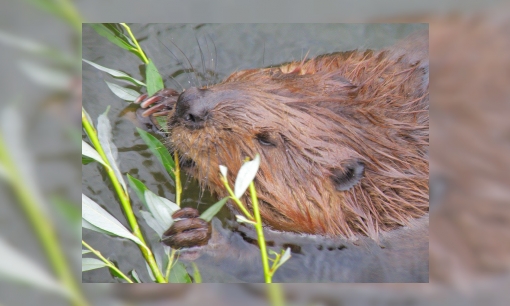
{"points": [[348, 175]]}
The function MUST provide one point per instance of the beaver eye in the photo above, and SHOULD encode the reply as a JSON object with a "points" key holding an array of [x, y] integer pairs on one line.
{"points": [[348, 175], [265, 139]]}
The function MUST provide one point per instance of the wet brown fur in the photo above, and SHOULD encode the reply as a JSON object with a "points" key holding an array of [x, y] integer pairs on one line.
{"points": [[319, 114]]}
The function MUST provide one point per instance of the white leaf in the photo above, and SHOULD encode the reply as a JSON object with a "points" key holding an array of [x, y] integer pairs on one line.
{"points": [[98, 217], [286, 256], [85, 252], [104, 133], [151, 221], [115, 73], [89, 151], [123, 92], [160, 208], [88, 264], [246, 175], [242, 219], [16, 266], [47, 76], [88, 225], [223, 171]]}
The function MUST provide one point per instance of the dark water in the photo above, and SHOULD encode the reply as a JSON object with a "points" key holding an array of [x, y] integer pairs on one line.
{"points": [[214, 51]]}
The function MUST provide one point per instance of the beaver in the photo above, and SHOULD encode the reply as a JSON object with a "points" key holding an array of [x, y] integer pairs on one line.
{"points": [[343, 138]]}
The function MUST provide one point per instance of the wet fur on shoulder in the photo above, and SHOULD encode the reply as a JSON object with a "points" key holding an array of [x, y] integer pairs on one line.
{"points": [[343, 139]]}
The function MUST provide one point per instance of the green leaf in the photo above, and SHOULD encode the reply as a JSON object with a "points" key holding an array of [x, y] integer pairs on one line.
{"points": [[154, 80], [114, 35], [115, 73], [127, 94], [213, 210], [88, 264], [196, 274], [246, 175], [16, 266], [135, 276], [139, 188], [104, 134], [159, 150], [90, 153], [86, 160], [178, 274], [98, 217]]}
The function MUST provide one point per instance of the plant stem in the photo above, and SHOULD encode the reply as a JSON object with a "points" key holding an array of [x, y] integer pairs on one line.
{"points": [[236, 200], [260, 234], [107, 262], [124, 200], [170, 264], [178, 186], [42, 226], [140, 51], [275, 295]]}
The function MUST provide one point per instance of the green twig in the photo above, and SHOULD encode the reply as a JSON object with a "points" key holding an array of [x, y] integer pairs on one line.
{"points": [[260, 234], [124, 200], [171, 258], [236, 200], [108, 263], [178, 186], [42, 226], [139, 49], [275, 295]]}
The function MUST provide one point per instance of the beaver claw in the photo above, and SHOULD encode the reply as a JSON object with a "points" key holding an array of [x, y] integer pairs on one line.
{"points": [[188, 231], [164, 101]]}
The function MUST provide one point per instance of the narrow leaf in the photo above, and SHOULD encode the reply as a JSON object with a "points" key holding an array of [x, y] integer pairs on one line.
{"points": [[85, 252], [104, 133], [86, 160], [88, 264], [159, 150], [246, 175], [196, 274], [90, 226], [97, 216], [242, 219], [286, 256], [151, 221], [16, 266], [88, 151], [178, 274], [223, 171], [124, 93], [115, 73], [45, 76], [139, 188], [114, 35], [154, 80], [135, 276], [213, 210], [161, 209]]}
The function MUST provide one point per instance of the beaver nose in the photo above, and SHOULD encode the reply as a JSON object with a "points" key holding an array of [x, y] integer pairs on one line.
{"points": [[193, 107]]}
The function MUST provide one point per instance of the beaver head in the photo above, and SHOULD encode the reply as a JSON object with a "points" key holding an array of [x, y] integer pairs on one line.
{"points": [[343, 140]]}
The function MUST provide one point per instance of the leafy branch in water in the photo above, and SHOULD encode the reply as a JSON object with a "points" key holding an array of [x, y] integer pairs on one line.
{"points": [[244, 181]]}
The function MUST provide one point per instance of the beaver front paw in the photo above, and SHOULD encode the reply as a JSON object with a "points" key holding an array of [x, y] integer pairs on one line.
{"points": [[188, 231], [161, 104]]}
